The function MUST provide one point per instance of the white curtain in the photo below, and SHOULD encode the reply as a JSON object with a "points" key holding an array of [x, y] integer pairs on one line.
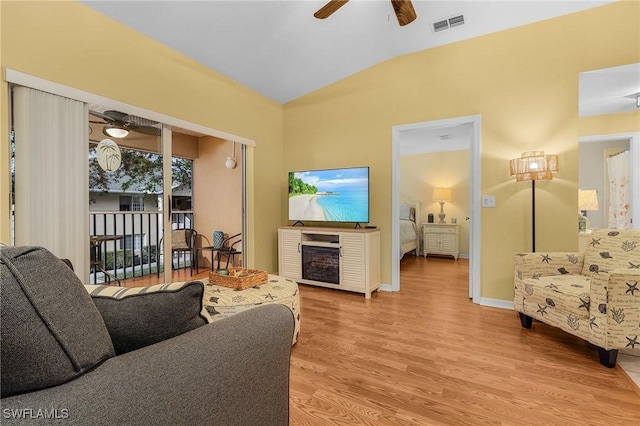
{"points": [[619, 191], [52, 177]]}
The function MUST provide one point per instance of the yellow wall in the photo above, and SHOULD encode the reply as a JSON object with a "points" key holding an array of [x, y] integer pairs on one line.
{"points": [[524, 83], [217, 192], [610, 124], [67, 42]]}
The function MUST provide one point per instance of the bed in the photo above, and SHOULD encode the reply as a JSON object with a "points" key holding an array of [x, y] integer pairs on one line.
{"points": [[409, 231]]}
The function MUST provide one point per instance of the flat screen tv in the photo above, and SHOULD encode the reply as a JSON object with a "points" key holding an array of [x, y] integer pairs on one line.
{"points": [[330, 195]]}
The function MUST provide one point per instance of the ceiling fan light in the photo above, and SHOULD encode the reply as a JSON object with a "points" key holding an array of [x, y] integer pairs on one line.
{"points": [[115, 131]]}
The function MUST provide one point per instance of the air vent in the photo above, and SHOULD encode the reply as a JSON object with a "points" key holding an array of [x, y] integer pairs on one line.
{"points": [[440, 25], [456, 21], [446, 23]]}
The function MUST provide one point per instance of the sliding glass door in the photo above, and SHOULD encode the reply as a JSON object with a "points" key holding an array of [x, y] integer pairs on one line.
{"points": [[126, 196]]}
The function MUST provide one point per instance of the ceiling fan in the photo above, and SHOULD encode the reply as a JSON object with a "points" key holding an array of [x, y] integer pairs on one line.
{"points": [[116, 120], [405, 12]]}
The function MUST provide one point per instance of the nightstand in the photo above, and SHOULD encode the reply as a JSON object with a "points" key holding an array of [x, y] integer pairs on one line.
{"points": [[439, 238]]}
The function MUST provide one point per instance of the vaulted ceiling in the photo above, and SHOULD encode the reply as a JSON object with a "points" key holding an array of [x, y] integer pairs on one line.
{"points": [[279, 49]]}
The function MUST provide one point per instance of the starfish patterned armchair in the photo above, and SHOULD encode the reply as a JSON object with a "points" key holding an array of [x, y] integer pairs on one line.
{"points": [[594, 295]]}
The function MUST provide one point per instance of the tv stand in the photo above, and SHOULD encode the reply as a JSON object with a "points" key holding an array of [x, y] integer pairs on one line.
{"points": [[298, 222], [338, 258]]}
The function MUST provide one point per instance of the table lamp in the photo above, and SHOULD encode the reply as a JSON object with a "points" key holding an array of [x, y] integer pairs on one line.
{"points": [[587, 201], [441, 195]]}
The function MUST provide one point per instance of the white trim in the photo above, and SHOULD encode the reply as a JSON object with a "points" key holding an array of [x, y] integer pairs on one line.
{"points": [[634, 149], [167, 195], [386, 287], [17, 77], [496, 303], [474, 246]]}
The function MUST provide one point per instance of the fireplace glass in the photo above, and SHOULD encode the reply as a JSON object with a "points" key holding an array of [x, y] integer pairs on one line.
{"points": [[321, 264]]}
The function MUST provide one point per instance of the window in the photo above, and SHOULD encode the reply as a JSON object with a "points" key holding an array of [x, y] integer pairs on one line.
{"points": [[132, 242], [131, 203], [137, 204]]}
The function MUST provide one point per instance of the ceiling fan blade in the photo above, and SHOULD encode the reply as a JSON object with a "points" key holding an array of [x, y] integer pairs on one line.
{"points": [[102, 116], [138, 121], [145, 130], [405, 12], [328, 9], [116, 115]]}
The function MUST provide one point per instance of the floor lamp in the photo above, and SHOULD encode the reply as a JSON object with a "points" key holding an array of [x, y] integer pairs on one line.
{"points": [[532, 166]]}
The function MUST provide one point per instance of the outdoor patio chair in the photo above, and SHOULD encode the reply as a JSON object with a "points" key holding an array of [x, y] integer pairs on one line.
{"points": [[183, 242], [231, 247]]}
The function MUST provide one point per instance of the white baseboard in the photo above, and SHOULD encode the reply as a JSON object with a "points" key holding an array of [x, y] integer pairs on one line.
{"points": [[386, 287], [496, 303]]}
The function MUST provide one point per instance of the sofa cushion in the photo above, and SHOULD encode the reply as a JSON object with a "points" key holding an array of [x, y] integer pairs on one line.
{"points": [[567, 294], [51, 332], [611, 249], [140, 316]]}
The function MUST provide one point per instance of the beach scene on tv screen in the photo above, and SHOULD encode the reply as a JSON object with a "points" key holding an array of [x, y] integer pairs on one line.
{"points": [[339, 195]]}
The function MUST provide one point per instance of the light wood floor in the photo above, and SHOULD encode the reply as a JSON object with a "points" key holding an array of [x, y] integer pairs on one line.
{"points": [[427, 355], [178, 275]]}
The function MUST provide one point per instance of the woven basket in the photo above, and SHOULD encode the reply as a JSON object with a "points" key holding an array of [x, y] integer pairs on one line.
{"points": [[239, 278]]}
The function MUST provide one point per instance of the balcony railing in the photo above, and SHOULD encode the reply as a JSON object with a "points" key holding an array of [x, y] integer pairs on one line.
{"points": [[135, 251]]}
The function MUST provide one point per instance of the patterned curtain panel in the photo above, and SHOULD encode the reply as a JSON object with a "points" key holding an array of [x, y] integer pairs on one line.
{"points": [[52, 177], [619, 191]]}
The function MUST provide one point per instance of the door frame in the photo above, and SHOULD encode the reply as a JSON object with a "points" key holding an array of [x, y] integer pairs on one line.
{"points": [[474, 192]]}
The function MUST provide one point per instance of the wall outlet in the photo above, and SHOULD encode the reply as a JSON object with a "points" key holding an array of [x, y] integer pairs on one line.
{"points": [[488, 201]]}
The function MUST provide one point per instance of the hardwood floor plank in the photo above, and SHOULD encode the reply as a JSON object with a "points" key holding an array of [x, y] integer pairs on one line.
{"points": [[427, 356]]}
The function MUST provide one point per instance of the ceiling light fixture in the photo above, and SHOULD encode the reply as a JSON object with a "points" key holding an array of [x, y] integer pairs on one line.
{"points": [[115, 131], [231, 161]]}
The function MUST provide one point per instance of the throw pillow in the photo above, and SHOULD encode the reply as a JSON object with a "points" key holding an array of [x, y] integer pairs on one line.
{"points": [[140, 316], [51, 332]]}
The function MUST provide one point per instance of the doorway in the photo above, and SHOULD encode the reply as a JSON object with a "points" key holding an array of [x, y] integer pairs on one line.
{"points": [[593, 151], [402, 134]]}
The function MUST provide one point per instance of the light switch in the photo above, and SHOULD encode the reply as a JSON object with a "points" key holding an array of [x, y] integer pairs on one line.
{"points": [[488, 201]]}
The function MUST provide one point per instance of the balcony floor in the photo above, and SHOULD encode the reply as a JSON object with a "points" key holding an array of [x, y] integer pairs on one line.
{"points": [[178, 275]]}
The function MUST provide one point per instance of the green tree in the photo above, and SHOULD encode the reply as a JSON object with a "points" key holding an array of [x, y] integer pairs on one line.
{"points": [[142, 170], [298, 186]]}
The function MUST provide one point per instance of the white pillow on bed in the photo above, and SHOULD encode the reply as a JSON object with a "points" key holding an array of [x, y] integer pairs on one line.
{"points": [[405, 212]]}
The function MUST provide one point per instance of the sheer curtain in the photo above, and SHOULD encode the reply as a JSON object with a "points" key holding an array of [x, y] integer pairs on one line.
{"points": [[52, 177], [619, 191]]}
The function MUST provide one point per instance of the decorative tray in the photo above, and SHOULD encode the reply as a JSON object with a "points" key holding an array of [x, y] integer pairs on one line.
{"points": [[239, 278]]}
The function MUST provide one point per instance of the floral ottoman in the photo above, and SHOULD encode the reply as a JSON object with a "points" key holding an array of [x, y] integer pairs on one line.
{"points": [[222, 302]]}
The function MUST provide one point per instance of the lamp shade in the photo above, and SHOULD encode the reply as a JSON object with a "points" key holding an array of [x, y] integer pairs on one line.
{"points": [[588, 200], [115, 131], [441, 194], [534, 165]]}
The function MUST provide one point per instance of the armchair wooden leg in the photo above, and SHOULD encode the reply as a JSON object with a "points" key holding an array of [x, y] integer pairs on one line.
{"points": [[608, 357], [525, 320]]}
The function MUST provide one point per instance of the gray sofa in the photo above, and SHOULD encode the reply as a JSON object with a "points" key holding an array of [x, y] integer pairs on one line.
{"points": [[59, 365]]}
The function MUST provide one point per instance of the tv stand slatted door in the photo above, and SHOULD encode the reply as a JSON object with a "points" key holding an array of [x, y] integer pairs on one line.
{"points": [[338, 258]]}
